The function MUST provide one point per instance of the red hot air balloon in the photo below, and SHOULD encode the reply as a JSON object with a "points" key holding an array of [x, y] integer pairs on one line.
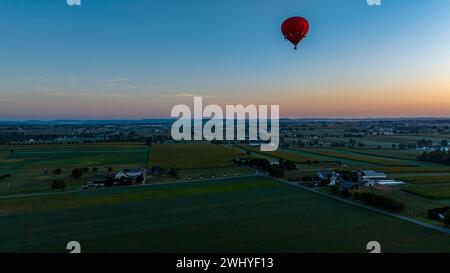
{"points": [[295, 29]]}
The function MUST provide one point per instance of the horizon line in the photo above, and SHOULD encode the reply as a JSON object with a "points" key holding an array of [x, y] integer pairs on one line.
{"points": [[169, 118]]}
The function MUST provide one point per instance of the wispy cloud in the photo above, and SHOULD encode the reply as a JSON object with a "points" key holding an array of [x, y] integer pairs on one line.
{"points": [[49, 92], [185, 95], [118, 80], [118, 83], [102, 95]]}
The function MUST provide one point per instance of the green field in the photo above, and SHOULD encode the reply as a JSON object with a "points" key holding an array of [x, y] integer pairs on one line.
{"points": [[387, 141], [432, 185], [235, 215], [330, 158], [415, 206], [349, 155], [427, 179], [287, 155], [432, 191], [31, 166], [386, 153], [412, 171], [192, 156]]}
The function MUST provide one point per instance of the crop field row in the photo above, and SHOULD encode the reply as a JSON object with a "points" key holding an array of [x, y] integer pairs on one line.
{"points": [[438, 191], [40, 158], [346, 156], [385, 153], [412, 170], [192, 156], [415, 206], [76, 145], [327, 158], [287, 155], [356, 157], [441, 179], [389, 140], [236, 215], [434, 137]]}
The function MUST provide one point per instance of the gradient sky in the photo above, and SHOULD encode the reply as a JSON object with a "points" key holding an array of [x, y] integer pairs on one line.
{"points": [[138, 58]]}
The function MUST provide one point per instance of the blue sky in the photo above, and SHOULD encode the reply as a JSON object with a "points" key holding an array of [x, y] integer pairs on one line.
{"points": [[137, 58]]}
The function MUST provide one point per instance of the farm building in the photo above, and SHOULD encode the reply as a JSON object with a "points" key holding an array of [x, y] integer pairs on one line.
{"points": [[433, 149], [123, 178], [129, 174], [274, 162], [390, 182], [369, 178], [102, 180], [343, 180], [331, 177]]}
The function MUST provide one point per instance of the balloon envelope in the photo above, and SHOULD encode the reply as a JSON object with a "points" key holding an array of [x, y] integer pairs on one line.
{"points": [[295, 29]]}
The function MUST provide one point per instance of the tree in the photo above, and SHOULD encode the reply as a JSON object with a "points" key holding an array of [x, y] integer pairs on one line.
{"points": [[125, 181], [58, 184], [447, 218], [149, 141], [110, 169], [334, 189], [139, 179], [276, 171], [77, 173], [109, 181], [95, 169], [444, 143], [424, 143], [173, 172], [57, 171], [86, 169], [289, 165], [346, 193], [435, 157], [436, 212]]}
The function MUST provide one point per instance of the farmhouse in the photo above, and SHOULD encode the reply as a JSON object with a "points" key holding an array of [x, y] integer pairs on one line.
{"points": [[125, 177], [333, 178], [345, 180], [100, 180], [129, 174]]}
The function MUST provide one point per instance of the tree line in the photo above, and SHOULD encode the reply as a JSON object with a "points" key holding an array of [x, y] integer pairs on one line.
{"points": [[440, 157], [274, 170]]}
